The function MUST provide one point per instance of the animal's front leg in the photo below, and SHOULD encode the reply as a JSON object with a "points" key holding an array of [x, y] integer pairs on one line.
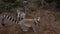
{"points": [[24, 28], [35, 29]]}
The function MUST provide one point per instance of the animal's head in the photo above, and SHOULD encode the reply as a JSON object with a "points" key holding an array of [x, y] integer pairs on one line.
{"points": [[20, 14], [37, 20]]}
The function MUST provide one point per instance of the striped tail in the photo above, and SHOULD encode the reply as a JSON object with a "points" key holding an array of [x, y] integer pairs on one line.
{"points": [[10, 18]]}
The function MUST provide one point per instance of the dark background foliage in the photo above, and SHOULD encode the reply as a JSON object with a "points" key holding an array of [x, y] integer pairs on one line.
{"points": [[6, 5]]}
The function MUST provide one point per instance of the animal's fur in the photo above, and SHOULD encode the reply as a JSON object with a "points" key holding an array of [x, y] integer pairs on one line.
{"points": [[27, 23]]}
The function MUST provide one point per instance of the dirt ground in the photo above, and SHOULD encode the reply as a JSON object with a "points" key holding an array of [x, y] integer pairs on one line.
{"points": [[49, 23]]}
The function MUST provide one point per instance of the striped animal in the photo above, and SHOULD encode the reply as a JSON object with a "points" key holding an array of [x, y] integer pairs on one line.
{"points": [[27, 23]]}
